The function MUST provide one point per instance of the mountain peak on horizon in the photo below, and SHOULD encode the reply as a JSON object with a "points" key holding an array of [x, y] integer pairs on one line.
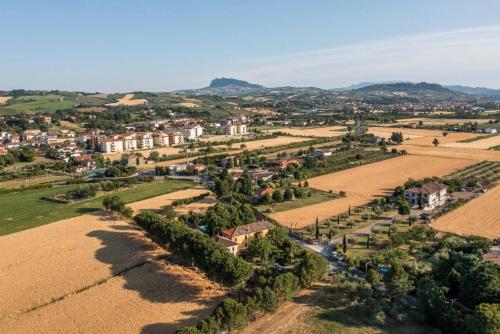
{"points": [[224, 82]]}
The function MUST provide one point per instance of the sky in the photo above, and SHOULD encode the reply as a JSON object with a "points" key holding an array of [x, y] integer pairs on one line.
{"points": [[154, 45]]}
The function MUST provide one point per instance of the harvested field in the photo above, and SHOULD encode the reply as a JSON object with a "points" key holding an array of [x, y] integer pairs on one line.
{"points": [[281, 140], [440, 121], [363, 184], [55, 278], [4, 99], [168, 150], [330, 131], [220, 138], [262, 111], [198, 206], [160, 201], [481, 144], [422, 137], [450, 152], [127, 100], [91, 109], [188, 104], [480, 216]]}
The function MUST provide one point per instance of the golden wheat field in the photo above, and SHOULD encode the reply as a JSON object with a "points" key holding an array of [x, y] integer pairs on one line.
{"points": [[330, 131], [4, 99], [480, 216], [158, 202], [128, 100], [480, 144], [422, 137], [56, 277], [365, 183], [450, 152]]}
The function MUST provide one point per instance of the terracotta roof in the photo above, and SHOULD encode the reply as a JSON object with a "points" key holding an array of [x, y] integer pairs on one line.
{"points": [[261, 192], [225, 241], [248, 228], [428, 188]]}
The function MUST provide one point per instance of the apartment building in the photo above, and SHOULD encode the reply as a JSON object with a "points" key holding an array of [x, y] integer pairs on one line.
{"points": [[144, 140], [161, 139], [175, 137], [111, 145]]}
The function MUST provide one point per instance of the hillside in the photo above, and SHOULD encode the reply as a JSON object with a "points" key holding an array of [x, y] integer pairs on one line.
{"points": [[408, 92]]}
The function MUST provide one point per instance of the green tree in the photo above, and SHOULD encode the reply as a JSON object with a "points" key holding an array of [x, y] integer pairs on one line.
{"points": [[231, 314], [403, 207], [344, 244], [310, 268], [266, 199], [373, 276], [261, 248], [485, 319], [285, 286], [288, 195], [277, 196], [317, 228]]}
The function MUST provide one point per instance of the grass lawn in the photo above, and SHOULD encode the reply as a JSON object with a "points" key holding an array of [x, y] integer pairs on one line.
{"points": [[40, 103], [24, 210], [317, 196], [18, 183]]}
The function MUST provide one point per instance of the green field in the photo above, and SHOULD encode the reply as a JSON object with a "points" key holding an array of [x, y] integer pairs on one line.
{"points": [[24, 210], [317, 196], [39, 103], [49, 103]]}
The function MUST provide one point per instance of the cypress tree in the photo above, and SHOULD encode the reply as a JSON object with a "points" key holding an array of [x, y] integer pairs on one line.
{"points": [[317, 228], [344, 244]]}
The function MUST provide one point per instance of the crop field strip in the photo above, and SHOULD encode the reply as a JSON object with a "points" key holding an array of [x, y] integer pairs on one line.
{"points": [[364, 183], [112, 269], [479, 216]]}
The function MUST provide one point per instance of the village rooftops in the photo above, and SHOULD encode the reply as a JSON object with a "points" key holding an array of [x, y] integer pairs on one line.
{"points": [[248, 229], [428, 188]]}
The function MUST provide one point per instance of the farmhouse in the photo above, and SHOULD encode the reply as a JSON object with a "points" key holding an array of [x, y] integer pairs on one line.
{"points": [[228, 244], [430, 195], [244, 234]]}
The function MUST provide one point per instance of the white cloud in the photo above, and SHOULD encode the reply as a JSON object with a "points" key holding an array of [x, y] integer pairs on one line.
{"points": [[465, 56]]}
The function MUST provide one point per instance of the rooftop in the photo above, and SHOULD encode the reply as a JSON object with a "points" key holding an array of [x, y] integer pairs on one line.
{"points": [[248, 228], [428, 188]]}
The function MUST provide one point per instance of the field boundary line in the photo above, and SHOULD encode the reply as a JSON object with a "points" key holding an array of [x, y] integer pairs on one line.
{"points": [[85, 288]]}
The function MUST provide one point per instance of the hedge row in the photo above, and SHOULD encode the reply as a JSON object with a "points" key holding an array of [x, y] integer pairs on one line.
{"points": [[205, 252]]}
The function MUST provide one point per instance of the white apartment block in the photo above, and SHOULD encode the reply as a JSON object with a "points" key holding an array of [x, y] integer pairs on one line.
{"points": [[144, 141], [111, 145], [129, 142], [192, 132], [230, 130], [241, 129], [161, 139], [235, 130]]}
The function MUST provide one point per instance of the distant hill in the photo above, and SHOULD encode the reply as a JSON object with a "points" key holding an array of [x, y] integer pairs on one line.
{"points": [[476, 90], [409, 92], [225, 82], [226, 87]]}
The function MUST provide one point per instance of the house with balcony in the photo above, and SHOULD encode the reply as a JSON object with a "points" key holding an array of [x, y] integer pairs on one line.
{"points": [[428, 196]]}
